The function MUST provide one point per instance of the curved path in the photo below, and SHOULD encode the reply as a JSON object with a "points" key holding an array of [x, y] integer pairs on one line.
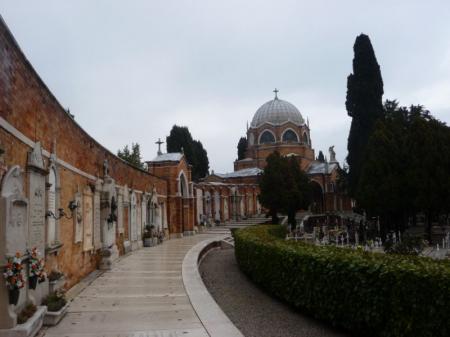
{"points": [[255, 313], [142, 296]]}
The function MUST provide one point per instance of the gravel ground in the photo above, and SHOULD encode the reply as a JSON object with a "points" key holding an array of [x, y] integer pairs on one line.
{"points": [[254, 312]]}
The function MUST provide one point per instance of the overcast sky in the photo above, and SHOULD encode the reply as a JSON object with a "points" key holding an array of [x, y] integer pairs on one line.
{"points": [[129, 70]]}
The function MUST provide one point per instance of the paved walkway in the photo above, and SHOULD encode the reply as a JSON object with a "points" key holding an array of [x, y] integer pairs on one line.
{"points": [[142, 296]]}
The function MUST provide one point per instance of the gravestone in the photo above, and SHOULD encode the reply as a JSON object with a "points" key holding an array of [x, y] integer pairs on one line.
{"points": [[78, 218], [13, 238], [36, 193], [88, 219]]}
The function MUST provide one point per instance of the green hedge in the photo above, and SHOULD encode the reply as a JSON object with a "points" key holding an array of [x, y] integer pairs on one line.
{"points": [[370, 294]]}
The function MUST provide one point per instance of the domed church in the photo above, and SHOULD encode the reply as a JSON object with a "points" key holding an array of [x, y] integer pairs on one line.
{"points": [[277, 126]]}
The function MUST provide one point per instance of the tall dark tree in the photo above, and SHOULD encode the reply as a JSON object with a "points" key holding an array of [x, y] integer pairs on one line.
{"points": [[404, 172], [364, 105], [284, 187], [321, 157], [181, 138], [242, 147], [201, 161], [132, 156]]}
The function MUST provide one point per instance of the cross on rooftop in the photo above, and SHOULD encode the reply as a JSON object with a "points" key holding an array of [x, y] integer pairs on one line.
{"points": [[159, 142], [276, 93]]}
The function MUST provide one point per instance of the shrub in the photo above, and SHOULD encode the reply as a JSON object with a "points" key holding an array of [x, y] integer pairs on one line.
{"points": [[370, 294], [55, 300], [410, 245]]}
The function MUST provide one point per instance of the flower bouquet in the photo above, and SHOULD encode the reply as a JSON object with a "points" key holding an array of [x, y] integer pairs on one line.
{"points": [[14, 277], [36, 265]]}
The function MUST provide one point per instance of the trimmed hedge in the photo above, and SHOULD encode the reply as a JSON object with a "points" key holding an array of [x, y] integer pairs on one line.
{"points": [[370, 294]]}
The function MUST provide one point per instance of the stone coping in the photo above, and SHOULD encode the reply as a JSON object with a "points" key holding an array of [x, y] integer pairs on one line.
{"points": [[216, 323]]}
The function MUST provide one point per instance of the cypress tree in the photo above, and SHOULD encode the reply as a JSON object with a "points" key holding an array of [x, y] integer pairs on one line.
{"points": [[242, 147], [364, 104], [180, 137], [321, 157]]}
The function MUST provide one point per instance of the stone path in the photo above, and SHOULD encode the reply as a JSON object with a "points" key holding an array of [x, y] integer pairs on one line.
{"points": [[142, 296]]}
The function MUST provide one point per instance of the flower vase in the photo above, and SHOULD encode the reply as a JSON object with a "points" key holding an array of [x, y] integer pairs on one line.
{"points": [[32, 282], [14, 296]]}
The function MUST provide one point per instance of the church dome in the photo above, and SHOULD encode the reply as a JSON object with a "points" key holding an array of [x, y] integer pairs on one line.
{"points": [[277, 112]]}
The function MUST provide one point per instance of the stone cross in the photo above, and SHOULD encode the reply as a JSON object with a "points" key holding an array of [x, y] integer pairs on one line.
{"points": [[276, 93], [159, 142]]}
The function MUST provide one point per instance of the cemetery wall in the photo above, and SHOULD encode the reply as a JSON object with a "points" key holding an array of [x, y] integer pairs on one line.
{"points": [[29, 113]]}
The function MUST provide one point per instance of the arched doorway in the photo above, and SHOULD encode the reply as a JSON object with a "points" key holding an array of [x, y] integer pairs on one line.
{"points": [[317, 196]]}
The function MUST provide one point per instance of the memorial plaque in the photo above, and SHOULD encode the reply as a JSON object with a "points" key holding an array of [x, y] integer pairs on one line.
{"points": [[36, 226], [88, 219]]}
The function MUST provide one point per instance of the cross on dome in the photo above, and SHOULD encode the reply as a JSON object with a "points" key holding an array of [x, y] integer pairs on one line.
{"points": [[276, 93]]}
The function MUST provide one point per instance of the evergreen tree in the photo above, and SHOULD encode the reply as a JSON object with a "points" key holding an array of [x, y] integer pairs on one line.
{"points": [[364, 105], [181, 138], [201, 161], [405, 171], [133, 157], [242, 147], [321, 157], [284, 187]]}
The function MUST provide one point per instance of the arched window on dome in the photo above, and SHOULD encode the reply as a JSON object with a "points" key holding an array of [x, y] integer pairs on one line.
{"points": [[290, 136], [266, 137]]}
